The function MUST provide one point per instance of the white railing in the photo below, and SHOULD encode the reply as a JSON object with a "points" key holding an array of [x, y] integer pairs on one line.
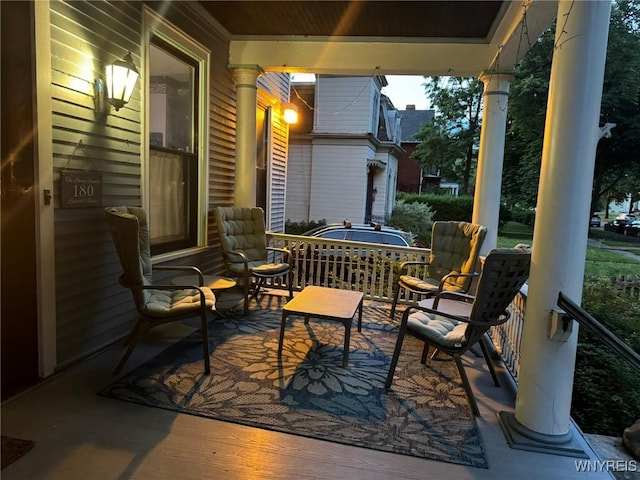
{"points": [[372, 269], [507, 337], [369, 268]]}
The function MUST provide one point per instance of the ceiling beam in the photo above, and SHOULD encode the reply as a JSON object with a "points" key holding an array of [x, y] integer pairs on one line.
{"points": [[521, 24]]}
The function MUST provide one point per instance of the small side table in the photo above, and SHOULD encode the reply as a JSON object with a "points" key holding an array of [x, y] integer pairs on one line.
{"points": [[328, 304]]}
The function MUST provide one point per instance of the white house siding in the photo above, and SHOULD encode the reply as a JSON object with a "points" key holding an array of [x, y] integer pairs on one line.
{"points": [[299, 182], [92, 309], [339, 180], [275, 86], [343, 105]]}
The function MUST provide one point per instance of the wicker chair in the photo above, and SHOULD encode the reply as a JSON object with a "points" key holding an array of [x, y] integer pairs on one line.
{"points": [[454, 250], [453, 322]]}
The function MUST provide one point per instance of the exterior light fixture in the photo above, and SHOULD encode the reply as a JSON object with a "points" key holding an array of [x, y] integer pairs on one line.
{"points": [[290, 113], [121, 79]]}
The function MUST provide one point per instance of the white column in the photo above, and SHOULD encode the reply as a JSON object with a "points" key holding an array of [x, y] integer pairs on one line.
{"points": [[246, 147], [486, 200], [560, 236]]}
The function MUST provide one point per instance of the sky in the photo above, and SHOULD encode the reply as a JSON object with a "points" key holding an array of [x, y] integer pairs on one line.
{"points": [[406, 90], [403, 90]]}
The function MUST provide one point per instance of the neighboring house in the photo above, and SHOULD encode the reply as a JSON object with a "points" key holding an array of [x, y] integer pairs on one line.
{"points": [[410, 173], [343, 154], [412, 177]]}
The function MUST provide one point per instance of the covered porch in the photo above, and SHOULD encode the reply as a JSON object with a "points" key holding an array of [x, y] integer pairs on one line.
{"points": [[79, 434]]}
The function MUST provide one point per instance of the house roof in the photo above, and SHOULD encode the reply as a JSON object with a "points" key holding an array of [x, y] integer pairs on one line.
{"points": [[412, 121]]}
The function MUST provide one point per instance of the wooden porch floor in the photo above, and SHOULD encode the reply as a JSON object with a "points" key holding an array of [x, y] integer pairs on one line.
{"points": [[80, 435]]}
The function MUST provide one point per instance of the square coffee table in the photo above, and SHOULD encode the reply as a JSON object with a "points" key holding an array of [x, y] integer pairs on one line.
{"points": [[328, 304]]}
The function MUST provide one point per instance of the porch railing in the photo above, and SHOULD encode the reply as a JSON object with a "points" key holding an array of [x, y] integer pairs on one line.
{"points": [[369, 268], [507, 338]]}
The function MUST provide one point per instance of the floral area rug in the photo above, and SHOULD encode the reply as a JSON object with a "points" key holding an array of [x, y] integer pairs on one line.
{"points": [[307, 391]]}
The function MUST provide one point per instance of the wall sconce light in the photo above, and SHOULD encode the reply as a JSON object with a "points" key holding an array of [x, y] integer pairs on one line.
{"points": [[290, 113], [121, 78]]}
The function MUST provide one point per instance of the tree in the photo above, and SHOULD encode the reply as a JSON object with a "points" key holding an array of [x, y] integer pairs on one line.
{"points": [[617, 166], [450, 141]]}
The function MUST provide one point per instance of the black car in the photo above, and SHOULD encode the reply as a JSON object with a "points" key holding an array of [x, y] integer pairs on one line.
{"points": [[633, 229], [325, 266], [368, 233], [619, 224]]}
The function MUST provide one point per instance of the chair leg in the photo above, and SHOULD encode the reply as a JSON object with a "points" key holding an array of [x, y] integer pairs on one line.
{"points": [[246, 294], [132, 341], [205, 342], [425, 353], [395, 301], [291, 284], [466, 385], [487, 358], [396, 351]]}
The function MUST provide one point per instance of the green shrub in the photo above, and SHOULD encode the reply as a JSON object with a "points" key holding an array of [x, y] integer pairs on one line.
{"points": [[523, 215], [447, 207], [605, 388], [298, 228], [415, 217]]}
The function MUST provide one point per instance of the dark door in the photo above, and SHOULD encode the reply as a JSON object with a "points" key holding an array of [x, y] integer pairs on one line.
{"points": [[369, 200], [19, 313]]}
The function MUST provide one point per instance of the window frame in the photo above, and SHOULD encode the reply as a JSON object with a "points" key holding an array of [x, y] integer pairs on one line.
{"points": [[156, 26]]}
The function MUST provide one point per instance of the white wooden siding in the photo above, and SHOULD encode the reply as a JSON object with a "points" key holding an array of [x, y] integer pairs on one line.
{"points": [[343, 105], [339, 182], [276, 86], [92, 309], [299, 182]]}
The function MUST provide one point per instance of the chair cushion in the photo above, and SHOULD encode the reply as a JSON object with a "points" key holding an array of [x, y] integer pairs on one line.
{"points": [[439, 330], [428, 285], [271, 269], [259, 268], [163, 303]]}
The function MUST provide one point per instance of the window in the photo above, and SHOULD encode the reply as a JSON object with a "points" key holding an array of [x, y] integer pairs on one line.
{"points": [[175, 167]]}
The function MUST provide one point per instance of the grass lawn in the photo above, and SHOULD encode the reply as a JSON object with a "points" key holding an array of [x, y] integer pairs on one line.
{"points": [[601, 262]]}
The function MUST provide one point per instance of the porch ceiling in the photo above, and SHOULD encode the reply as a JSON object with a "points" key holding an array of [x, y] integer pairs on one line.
{"points": [[388, 37]]}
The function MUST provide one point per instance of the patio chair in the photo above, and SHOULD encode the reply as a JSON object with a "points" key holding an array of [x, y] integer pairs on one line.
{"points": [[246, 255], [454, 322], [454, 249], [156, 304]]}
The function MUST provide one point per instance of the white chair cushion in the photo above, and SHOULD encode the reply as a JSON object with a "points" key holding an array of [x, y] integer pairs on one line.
{"points": [[439, 329]]}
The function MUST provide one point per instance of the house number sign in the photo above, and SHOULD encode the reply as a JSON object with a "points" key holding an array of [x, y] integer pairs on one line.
{"points": [[80, 189]]}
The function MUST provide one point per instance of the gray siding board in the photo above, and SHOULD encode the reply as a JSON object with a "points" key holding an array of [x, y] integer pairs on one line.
{"points": [[90, 312]]}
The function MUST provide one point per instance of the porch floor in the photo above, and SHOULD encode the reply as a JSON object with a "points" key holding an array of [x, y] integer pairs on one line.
{"points": [[80, 435]]}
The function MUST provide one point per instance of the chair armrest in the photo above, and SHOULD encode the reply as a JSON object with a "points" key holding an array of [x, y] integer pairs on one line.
{"points": [[243, 258], [458, 318], [447, 295], [286, 252], [196, 270], [503, 317], [448, 276], [408, 263]]}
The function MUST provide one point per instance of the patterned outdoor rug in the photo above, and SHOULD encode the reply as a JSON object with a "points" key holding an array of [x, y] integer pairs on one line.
{"points": [[425, 414]]}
